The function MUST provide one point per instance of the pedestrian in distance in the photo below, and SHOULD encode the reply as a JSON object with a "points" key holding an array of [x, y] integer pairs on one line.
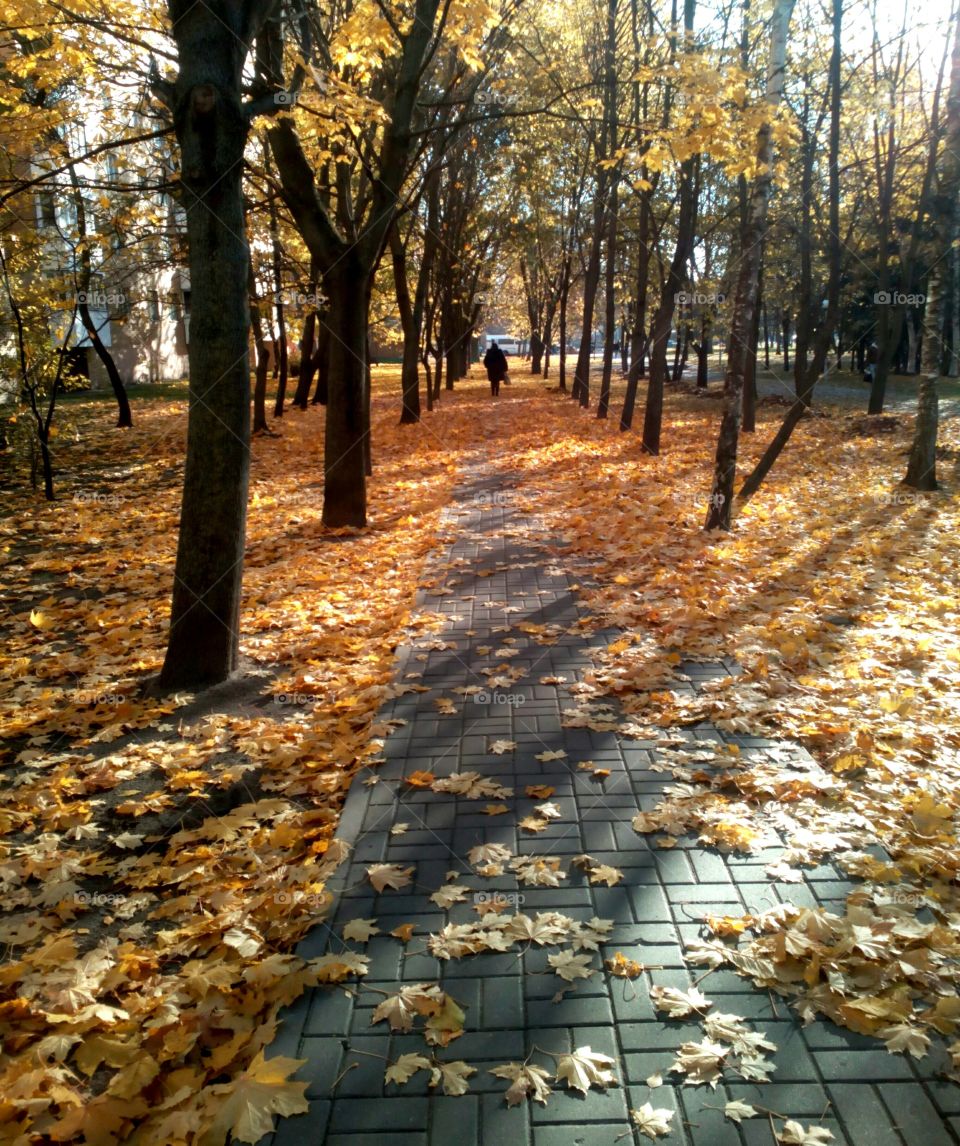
{"points": [[873, 356], [495, 362]]}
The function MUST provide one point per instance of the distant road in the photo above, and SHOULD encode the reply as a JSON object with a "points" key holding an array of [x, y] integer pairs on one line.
{"points": [[846, 389]]}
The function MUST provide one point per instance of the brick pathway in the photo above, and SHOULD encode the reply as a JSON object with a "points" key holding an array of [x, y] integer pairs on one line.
{"points": [[824, 1075]]}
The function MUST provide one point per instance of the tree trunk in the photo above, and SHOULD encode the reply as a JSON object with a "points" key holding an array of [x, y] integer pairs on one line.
{"points": [[680, 353], [750, 382], [703, 352], [953, 370], [409, 373], [766, 336], [345, 500], [305, 374], [638, 345], [601, 204], [910, 321], [280, 346], [824, 335], [786, 340], [262, 363], [320, 365], [564, 299], [805, 242], [663, 320], [745, 300], [610, 313], [124, 417], [922, 467], [211, 130]]}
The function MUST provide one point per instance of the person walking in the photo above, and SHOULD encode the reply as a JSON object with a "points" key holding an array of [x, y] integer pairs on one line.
{"points": [[873, 357], [495, 362]]}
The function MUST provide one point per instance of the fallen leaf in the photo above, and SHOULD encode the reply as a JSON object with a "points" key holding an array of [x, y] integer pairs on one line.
{"points": [[406, 1067], [793, 1134], [527, 1081], [453, 1075], [360, 929], [383, 875], [737, 1110], [568, 965], [650, 1122], [585, 1068]]}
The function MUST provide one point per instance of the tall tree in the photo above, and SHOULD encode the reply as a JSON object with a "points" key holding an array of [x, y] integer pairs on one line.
{"points": [[745, 299], [922, 467], [212, 123], [603, 136]]}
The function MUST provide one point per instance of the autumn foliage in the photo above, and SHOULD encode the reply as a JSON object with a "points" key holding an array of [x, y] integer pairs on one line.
{"points": [[161, 857]]}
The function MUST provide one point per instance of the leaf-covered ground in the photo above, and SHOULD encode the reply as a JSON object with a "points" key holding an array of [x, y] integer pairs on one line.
{"points": [[160, 857]]}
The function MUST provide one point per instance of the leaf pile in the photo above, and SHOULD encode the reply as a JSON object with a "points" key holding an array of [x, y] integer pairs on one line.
{"points": [[158, 857]]}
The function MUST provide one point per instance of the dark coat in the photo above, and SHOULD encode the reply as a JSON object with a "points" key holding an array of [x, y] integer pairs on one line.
{"points": [[496, 363]]}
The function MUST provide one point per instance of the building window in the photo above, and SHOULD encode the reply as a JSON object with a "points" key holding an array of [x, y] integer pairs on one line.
{"points": [[46, 209], [153, 306]]}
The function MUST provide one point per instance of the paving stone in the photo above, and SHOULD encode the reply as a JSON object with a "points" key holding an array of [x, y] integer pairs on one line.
{"points": [[570, 1011], [595, 1134], [946, 1096], [657, 1036], [708, 1126], [594, 1106], [502, 1001], [290, 1032], [324, 1058], [500, 1123], [638, 1067], [914, 1114], [650, 904], [378, 1138], [798, 1100], [330, 1012], [862, 1066], [355, 1115], [655, 909], [308, 1127], [361, 1067], [862, 1113], [455, 1118]]}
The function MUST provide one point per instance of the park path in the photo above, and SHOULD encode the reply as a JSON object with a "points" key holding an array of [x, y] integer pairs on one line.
{"points": [[496, 574]]}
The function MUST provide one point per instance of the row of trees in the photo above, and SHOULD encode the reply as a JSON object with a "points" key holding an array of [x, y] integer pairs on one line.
{"points": [[434, 164]]}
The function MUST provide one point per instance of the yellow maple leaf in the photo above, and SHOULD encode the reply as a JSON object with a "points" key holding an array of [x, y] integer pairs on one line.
{"points": [[247, 1105]]}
